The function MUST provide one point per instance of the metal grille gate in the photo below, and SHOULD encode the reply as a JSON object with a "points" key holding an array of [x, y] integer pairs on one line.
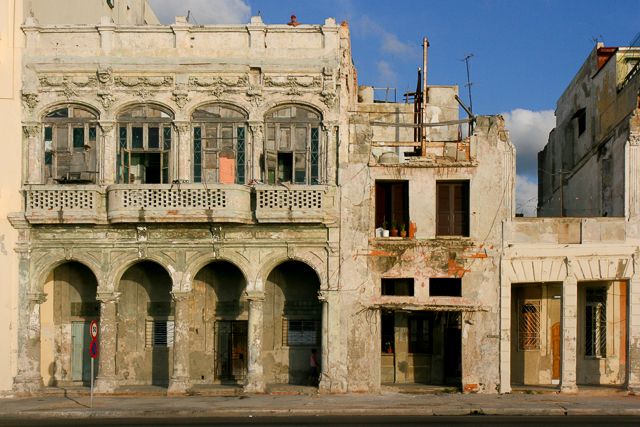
{"points": [[230, 350]]}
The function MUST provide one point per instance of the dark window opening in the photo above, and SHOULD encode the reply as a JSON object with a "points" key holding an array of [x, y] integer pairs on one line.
{"points": [[387, 329], [452, 207], [301, 332], [285, 161], [420, 334], [397, 287], [445, 287], [581, 117], [392, 204]]}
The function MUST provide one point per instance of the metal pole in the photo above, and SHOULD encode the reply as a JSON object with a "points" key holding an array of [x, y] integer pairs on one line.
{"points": [[423, 131], [92, 359]]}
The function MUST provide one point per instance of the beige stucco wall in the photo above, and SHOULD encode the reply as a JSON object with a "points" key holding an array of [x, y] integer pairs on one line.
{"points": [[135, 12], [10, 52]]}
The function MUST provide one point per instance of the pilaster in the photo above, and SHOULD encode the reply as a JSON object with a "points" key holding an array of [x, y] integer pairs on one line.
{"points": [[255, 382], [28, 381], [106, 381], [569, 332], [180, 381], [633, 383]]}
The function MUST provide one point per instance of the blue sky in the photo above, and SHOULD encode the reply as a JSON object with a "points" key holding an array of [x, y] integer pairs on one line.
{"points": [[525, 52]]}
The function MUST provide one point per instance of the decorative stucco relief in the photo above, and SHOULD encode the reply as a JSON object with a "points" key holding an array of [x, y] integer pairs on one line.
{"points": [[292, 81], [210, 81], [136, 81]]}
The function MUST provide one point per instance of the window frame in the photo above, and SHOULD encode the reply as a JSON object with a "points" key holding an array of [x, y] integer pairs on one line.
{"points": [[286, 332], [424, 348], [595, 347], [313, 152], [239, 136], [446, 224], [125, 140], [529, 330], [386, 208], [53, 153]]}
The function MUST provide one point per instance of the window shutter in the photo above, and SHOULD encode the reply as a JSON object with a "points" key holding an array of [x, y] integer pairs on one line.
{"points": [[380, 205], [443, 209]]}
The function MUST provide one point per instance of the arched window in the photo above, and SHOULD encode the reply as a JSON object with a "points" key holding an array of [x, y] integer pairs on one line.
{"points": [[70, 138], [292, 146], [145, 146], [219, 144]]}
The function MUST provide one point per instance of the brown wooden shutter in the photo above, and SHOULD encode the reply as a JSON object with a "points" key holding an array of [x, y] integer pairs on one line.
{"points": [[452, 215], [380, 205]]}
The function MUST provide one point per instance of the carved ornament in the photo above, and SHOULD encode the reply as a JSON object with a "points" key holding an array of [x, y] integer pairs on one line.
{"points": [[31, 131], [106, 97], [30, 98], [254, 95], [329, 98], [134, 81], [180, 95], [293, 81], [105, 75], [202, 81]]}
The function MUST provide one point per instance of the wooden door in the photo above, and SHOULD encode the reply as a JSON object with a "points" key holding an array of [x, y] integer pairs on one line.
{"points": [[80, 357], [555, 350]]}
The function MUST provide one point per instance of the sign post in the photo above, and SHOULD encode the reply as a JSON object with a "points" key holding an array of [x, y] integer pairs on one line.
{"points": [[93, 349]]}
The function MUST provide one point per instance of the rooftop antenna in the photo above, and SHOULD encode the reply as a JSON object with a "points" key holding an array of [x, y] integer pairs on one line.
{"points": [[596, 39], [189, 16], [468, 85]]}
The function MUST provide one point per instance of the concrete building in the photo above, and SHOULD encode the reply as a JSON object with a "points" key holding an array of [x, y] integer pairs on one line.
{"points": [[11, 37], [215, 197], [589, 167], [121, 12]]}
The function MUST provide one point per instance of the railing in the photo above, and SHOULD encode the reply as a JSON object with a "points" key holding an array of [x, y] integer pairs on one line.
{"points": [[179, 203], [50, 204], [308, 203]]}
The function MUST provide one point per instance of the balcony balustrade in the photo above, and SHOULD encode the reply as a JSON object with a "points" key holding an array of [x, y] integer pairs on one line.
{"points": [[297, 204], [184, 202], [179, 203], [71, 204]]}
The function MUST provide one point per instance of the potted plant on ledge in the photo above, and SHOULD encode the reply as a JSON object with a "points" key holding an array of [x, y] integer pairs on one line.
{"points": [[388, 347], [403, 232], [394, 230], [385, 232]]}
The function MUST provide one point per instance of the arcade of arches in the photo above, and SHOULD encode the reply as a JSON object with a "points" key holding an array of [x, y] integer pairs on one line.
{"points": [[147, 329]]}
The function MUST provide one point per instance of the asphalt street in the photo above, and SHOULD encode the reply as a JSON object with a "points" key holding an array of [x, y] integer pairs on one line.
{"points": [[336, 421]]}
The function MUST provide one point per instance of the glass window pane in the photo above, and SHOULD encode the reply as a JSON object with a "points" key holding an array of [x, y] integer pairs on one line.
{"points": [[92, 133], [78, 137], [63, 112], [154, 137], [136, 138], [285, 138], [210, 160], [167, 138]]}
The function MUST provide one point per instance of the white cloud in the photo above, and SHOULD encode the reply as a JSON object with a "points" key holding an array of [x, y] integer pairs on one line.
{"points": [[526, 196], [386, 75], [529, 132], [389, 43], [203, 11]]}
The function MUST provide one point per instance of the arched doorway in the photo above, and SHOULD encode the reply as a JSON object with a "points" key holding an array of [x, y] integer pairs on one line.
{"points": [[218, 325], [70, 307], [145, 316], [292, 322]]}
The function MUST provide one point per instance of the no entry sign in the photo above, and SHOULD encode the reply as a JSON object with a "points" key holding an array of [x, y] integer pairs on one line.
{"points": [[94, 348], [94, 330]]}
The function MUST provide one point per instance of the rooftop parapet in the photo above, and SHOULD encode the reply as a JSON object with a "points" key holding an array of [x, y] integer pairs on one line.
{"points": [[204, 41]]}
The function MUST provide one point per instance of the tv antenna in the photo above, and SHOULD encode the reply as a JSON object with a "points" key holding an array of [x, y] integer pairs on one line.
{"points": [[189, 16], [596, 39], [469, 83]]}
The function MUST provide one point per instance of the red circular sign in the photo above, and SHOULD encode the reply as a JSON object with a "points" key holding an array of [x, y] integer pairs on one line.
{"points": [[94, 329], [94, 348]]}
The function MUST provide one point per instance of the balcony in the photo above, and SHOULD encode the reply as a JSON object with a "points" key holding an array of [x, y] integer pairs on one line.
{"points": [[179, 203], [71, 204], [297, 204]]}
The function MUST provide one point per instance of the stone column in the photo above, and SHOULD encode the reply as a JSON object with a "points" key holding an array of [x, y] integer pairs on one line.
{"points": [[107, 154], [325, 378], [180, 380], [28, 381], [505, 333], [569, 332], [255, 382], [633, 363], [181, 150], [331, 150], [34, 160], [257, 142], [106, 380]]}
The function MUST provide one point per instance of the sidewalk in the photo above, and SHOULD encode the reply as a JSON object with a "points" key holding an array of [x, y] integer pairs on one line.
{"points": [[387, 403]]}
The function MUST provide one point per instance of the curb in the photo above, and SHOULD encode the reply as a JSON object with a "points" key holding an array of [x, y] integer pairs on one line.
{"points": [[246, 412]]}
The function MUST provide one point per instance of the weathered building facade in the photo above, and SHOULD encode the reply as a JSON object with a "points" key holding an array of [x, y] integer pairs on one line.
{"points": [[215, 197], [589, 166]]}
